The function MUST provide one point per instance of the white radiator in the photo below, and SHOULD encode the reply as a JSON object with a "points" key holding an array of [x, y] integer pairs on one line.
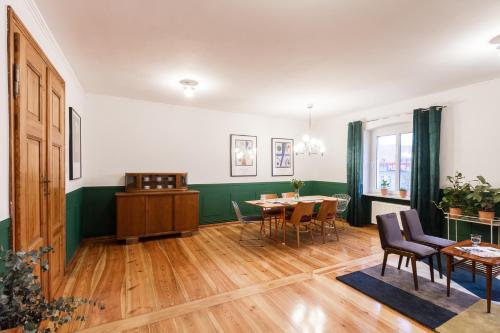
{"points": [[379, 208]]}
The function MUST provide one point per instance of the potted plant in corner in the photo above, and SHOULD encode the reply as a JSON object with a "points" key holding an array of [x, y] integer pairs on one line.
{"points": [[403, 192], [484, 198], [297, 184], [23, 307], [384, 186], [455, 196]]}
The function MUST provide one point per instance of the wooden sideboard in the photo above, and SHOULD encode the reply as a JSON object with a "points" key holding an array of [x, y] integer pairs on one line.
{"points": [[144, 214]]}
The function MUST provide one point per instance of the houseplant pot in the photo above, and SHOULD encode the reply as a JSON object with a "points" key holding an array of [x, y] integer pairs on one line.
{"points": [[403, 193], [486, 216], [456, 211]]}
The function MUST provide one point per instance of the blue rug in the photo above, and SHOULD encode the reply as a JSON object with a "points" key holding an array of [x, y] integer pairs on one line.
{"points": [[430, 306]]}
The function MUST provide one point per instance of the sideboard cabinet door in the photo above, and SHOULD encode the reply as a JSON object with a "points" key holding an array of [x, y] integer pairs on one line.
{"points": [[131, 216], [186, 212], [160, 214]]}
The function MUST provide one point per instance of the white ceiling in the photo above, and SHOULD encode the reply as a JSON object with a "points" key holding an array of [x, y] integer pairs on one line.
{"points": [[275, 56]]}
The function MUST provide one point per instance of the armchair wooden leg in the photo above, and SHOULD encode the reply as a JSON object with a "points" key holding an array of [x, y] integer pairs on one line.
{"points": [[440, 268], [414, 269], [407, 261], [384, 262], [431, 267], [400, 261]]}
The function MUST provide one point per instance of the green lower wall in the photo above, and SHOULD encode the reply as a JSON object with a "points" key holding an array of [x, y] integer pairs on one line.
{"points": [[74, 222], [5, 240]]}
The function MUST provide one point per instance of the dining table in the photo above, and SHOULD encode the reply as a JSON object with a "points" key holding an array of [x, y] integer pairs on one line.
{"points": [[284, 203]]}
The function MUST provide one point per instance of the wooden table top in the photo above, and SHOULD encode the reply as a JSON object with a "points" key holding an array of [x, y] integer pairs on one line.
{"points": [[452, 250], [287, 202]]}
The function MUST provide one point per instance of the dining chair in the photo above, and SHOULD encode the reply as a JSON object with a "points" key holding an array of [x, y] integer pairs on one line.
{"points": [[288, 195], [414, 233], [270, 213], [245, 220], [392, 242], [343, 203], [301, 217], [326, 216]]}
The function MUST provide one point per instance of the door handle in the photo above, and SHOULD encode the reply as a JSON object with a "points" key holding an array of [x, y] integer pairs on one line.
{"points": [[45, 181]]}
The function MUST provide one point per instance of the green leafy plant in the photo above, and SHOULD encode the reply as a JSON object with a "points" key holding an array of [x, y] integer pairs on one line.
{"points": [[22, 303], [297, 184], [483, 196], [455, 195], [385, 183]]}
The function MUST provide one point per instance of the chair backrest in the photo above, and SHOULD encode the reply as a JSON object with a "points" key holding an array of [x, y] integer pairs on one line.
{"points": [[327, 210], [411, 224], [388, 229], [288, 195], [302, 212], [237, 211], [268, 196], [343, 202]]}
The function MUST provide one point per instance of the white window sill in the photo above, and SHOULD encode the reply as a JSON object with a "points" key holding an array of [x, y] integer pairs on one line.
{"points": [[388, 196]]}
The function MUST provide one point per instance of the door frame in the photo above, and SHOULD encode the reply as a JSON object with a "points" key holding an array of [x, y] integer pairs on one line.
{"points": [[12, 18]]}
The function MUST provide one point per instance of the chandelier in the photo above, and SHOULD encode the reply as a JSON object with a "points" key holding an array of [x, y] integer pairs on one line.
{"points": [[310, 145]]}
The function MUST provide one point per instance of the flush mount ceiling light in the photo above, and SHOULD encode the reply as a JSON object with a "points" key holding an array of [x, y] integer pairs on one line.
{"points": [[310, 145], [189, 86]]}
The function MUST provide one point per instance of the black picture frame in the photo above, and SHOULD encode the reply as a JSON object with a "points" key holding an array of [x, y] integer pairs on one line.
{"points": [[245, 171], [75, 144], [274, 173]]}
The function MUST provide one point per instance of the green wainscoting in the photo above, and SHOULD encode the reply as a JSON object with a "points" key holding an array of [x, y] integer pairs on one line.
{"points": [[99, 210], [74, 222], [5, 240]]}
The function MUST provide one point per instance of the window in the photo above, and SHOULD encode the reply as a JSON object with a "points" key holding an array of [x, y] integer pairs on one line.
{"points": [[390, 157]]}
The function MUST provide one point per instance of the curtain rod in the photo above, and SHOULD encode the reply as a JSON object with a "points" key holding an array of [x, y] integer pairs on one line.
{"points": [[399, 115]]}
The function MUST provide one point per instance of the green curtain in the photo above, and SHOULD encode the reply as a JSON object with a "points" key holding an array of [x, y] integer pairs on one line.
{"points": [[355, 172], [425, 167]]}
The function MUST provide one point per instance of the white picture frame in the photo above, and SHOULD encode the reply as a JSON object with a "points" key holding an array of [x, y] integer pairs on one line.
{"points": [[282, 157], [243, 151]]}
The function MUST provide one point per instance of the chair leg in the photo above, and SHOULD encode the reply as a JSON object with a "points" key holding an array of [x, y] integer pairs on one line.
{"points": [[298, 236], [241, 231], [414, 269], [336, 232], [323, 233], [440, 266], [400, 261], [431, 267], [311, 233], [407, 261], [384, 262]]}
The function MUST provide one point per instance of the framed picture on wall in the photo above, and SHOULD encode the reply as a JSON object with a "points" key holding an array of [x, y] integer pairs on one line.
{"points": [[75, 144], [243, 150], [282, 157]]}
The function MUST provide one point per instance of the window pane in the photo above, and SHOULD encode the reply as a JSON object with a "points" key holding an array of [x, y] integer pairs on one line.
{"points": [[386, 159], [405, 163]]}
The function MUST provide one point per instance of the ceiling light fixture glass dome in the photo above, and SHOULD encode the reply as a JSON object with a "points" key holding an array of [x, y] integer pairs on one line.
{"points": [[189, 87]]}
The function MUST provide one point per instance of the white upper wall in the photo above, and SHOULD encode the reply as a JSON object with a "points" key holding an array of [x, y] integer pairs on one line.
{"points": [[75, 97], [127, 135], [470, 136]]}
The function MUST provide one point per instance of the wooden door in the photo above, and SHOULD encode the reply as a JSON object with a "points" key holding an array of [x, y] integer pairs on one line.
{"points": [[55, 168], [37, 151]]}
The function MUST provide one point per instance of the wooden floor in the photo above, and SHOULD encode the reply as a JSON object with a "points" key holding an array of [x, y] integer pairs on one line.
{"points": [[209, 283]]}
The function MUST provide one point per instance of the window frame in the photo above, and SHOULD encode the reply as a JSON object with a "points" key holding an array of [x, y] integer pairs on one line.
{"points": [[397, 130]]}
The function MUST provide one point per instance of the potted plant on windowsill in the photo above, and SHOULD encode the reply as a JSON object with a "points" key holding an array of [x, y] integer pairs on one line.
{"points": [[384, 186], [403, 192], [23, 307], [484, 198], [455, 196], [297, 184]]}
